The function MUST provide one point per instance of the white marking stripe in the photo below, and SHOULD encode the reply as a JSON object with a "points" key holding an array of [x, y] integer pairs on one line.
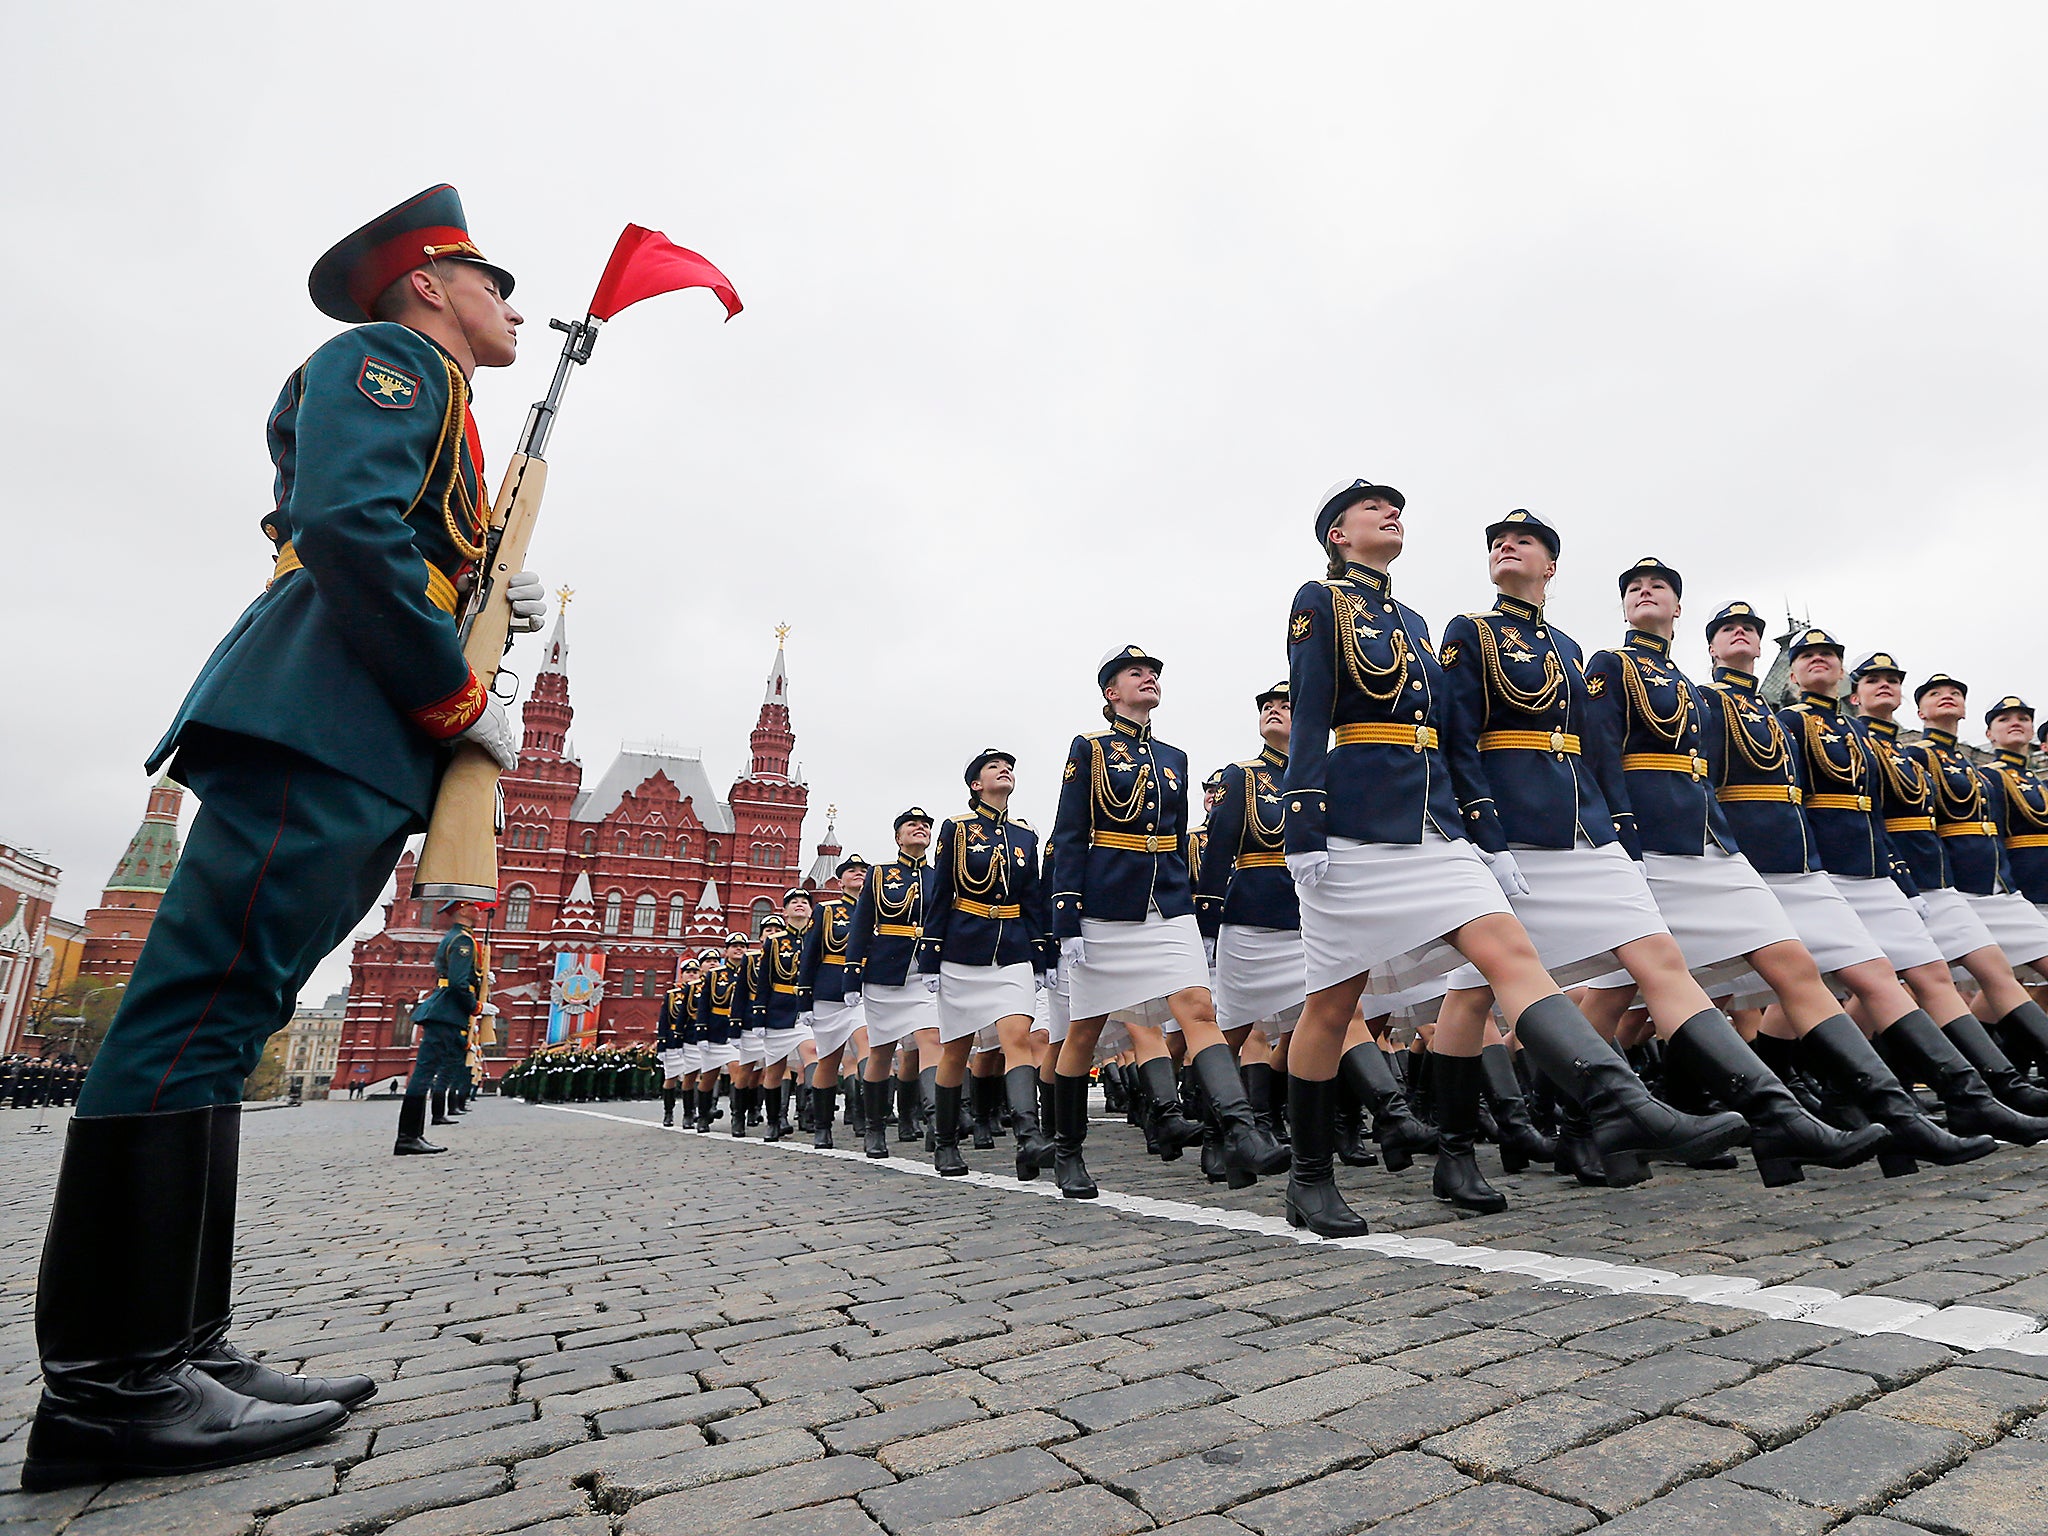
{"points": [[1960, 1327]]}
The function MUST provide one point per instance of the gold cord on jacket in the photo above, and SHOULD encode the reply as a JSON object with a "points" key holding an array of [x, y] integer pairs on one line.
{"points": [[1364, 674], [1671, 727], [1113, 806], [1533, 701]]}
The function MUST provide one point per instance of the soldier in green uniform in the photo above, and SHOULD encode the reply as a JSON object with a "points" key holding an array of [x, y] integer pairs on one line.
{"points": [[443, 1019], [315, 737]]}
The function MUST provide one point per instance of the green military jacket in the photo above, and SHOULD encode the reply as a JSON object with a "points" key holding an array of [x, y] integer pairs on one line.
{"points": [[453, 1000]]}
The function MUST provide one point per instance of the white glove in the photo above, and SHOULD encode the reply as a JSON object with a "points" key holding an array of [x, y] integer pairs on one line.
{"points": [[1308, 869], [804, 1020], [1920, 905], [1043, 978], [1209, 952], [1507, 872], [853, 998], [931, 985], [1073, 952], [490, 1010], [492, 730], [529, 602]]}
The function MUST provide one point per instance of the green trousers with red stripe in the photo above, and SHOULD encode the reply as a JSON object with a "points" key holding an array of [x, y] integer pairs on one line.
{"points": [[284, 859]]}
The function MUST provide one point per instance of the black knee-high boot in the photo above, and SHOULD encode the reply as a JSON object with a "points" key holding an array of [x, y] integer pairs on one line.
{"points": [[1312, 1198], [875, 1106], [906, 1109], [742, 1108], [928, 1107], [1371, 1078], [1917, 1047], [1782, 1057], [824, 1111], [1844, 1058], [114, 1314], [1354, 1148], [1070, 1130], [946, 1129], [1783, 1134], [1459, 1080], [1247, 1146], [412, 1125], [2007, 1084], [1520, 1142], [1165, 1121], [668, 1104], [1625, 1121], [772, 1126], [2024, 1034], [987, 1103], [1034, 1147]]}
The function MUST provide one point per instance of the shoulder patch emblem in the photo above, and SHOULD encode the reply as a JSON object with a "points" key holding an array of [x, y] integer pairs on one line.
{"points": [[1300, 625], [1596, 684], [391, 388], [1450, 653], [1070, 769]]}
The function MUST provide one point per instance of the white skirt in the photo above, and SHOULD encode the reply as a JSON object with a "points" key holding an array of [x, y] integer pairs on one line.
{"points": [[1891, 920], [1387, 909], [973, 997], [1584, 903], [833, 1024], [1719, 909], [677, 1060], [2017, 926], [1825, 919], [713, 1054], [1052, 1019], [1954, 925], [1126, 966], [896, 1013], [1260, 977], [987, 1038], [778, 1044]]}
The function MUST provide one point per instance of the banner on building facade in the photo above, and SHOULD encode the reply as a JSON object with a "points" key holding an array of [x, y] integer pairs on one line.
{"points": [[575, 996]]}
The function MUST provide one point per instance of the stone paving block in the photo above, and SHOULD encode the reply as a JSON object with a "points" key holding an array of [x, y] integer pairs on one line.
{"points": [[967, 1490], [1350, 1500], [1981, 1404], [1528, 1432], [859, 1375], [1012, 1344], [1854, 1462], [1716, 1507], [1314, 1397], [1083, 1511], [1542, 1371], [1081, 1352], [437, 1384], [1147, 1442], [1489, 1509], [1637, 1465], [1144, 1399], [229, 1504], [380, 1415], [697, 1410], [1877, 1525], [807, 1412], [513, 1442], [1772, 1342], [945, 1386], [862, 1435], [1406, 1418], [744, 1499], [842, 1517], [1998, 1492], [1267, 1368], [630, 1394], [350, 1511], [1889, 1359], [1784, 1403], [401, 1437], [1204, 1525], [647, 1462], [514, 1511], [1664, 1382], [1215, 1479], [1464, 1352], [1043, 1391], [968, 1442]]}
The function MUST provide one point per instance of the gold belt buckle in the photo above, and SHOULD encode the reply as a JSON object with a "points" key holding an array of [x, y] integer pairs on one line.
{"points": [[1151, 844], [1557, 741], [1698, 766], [1422, 738]]}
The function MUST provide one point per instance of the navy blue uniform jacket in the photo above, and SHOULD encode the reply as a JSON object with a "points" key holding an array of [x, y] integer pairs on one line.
{"points": [[1243, 879], [1121, 832], [987, 906], [886, 920]]}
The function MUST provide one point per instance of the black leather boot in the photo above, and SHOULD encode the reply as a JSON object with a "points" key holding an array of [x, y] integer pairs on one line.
{"points": [[1034, 1146], [412, 1124], [1520, 1142], [875, 1105], [1969, 1036], [1459, 1080], [213, 1291], [1165, 1122], [2024, 1034], [1783, 1135], [1070, 1130], [928, 1108], [114, 1314], [440, 1102], [824, 1111], [986, 1091], [1842, 1056], [668, 1105], [1624, 1120], [1354, 1150], [1312, 1198], [1782, 1057], [1575, 1158], [742, 1108], [1246, 1145], [774, 1128], [1263, 1090], [1371, 1078], [1917, 1048], [946, 1129], [906, 1109], [856, 1103]]}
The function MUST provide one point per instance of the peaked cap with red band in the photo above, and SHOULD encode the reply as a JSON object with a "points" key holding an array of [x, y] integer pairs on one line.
{"points": [[427, 227]]}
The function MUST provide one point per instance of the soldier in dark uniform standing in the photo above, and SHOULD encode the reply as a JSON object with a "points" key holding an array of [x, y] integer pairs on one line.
{"points": [[783, 1000], [832, 983], [887, 920], [442, 1019], [721, 1016], [314, 738]]}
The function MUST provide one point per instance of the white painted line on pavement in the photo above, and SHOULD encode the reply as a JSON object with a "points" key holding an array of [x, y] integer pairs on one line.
{"points": [[1960, 1327]]}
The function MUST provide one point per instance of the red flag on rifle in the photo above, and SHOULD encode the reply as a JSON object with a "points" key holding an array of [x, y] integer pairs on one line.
{"points": [[644, 263]]}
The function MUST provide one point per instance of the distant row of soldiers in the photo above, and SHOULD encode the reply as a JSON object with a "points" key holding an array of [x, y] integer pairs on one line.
{"points": [[31, 1082], [571, 1074]]}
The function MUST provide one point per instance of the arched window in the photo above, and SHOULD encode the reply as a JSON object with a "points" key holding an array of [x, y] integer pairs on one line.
{"points": [[614, 901], [518, 908], [675, 917], [625, 843], [540, 839], [762, 907], [650, 845], [682, 847], [711, 851], [590, 842], [643, 916]]}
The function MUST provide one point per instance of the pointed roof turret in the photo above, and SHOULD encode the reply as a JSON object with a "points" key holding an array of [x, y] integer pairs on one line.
{"points": [[153, 850], [557, 659], [773, 740], [577, 917]]}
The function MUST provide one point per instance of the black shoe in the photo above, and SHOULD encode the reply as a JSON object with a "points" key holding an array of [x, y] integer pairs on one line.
{"points": [[824, 1110], [1916, 1047], [1246, 1145], [1070, 1130], [1969, 1036], [1457, 1179], [1783, 1134], [114, 1312], [1034, 1146], [875, 1105], [1625, 1121], [1843, 1058], [213, 1288], [1370, 1077], [1519, 1141], [412, 1120], [946, 1129], [1312, 1198]]}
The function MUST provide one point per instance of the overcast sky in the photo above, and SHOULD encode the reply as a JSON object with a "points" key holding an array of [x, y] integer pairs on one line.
{"points": [[1058, 319]]}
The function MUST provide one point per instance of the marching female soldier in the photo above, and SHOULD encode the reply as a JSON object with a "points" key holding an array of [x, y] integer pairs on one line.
{"points": [[722, 1009], [671, 1039], [832, 982], [1125, 919], [1390, 889], [883, 942], [781, 1002], [985, 936]]}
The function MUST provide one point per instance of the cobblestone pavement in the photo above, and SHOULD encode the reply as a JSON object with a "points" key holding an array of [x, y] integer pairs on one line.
{"points": [[583, 1325]]}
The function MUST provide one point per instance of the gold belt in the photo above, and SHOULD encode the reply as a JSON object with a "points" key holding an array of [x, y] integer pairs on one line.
{"points": [[831, 959], [721, 1013], [896, 930], [984, 909], [787, 989], [1131, 842], [1530, 741], [1664, 762], [1419, 737], [2027, 840], [1262, 861], [1785, 794], [1838, 802], [440, 590], [1909, 823], [1969, 829]]}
